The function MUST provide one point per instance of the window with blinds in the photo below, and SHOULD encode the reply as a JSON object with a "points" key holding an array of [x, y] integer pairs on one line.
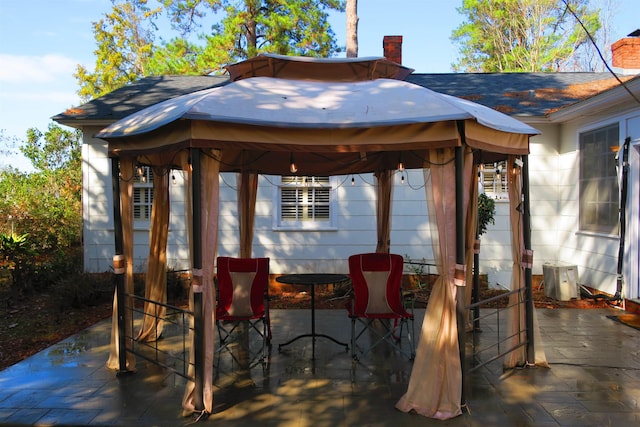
{"points": [[305, 202], [142, 194]]}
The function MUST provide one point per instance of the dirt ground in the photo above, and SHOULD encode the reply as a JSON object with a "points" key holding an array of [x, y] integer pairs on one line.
{"points": [[32, 323]]}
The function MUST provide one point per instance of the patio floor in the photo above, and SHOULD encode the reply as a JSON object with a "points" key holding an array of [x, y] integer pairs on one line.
{"points": [[594, 380]]}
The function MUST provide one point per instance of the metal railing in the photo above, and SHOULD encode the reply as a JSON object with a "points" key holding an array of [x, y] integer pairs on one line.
{"points": [[506, 318], [170, 349]]}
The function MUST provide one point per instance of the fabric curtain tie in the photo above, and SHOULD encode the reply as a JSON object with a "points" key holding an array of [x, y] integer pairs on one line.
{"points": [[527, 258], [459, 276], [119, 264], [196, 283]]}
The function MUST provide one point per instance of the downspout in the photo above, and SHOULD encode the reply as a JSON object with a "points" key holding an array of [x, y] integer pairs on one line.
{"points": [[623, 215], [528, 274]]}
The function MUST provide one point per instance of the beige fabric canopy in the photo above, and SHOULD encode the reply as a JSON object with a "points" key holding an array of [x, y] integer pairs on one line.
{"points": [[332, 117]]}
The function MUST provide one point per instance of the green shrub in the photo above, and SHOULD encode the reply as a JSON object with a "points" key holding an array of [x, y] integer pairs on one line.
{"points": [[177, 286], [18, 257], [486, 212], [79, 290]]}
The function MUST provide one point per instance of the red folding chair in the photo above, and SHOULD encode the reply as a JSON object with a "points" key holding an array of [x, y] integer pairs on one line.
{"points": [[243, 297], [377, 295]]}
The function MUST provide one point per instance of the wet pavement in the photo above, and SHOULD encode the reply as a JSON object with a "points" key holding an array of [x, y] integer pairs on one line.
{"points": [[594, 380]]}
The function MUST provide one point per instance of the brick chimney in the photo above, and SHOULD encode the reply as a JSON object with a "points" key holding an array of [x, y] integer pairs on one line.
{"points": [[625, 54], [392, 48]]}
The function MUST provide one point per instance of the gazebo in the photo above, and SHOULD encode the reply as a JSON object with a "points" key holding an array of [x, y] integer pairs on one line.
{"points": [[327, 117]]}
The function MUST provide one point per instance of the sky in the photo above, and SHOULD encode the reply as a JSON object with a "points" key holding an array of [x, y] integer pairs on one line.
{"points": [[43, 41]]}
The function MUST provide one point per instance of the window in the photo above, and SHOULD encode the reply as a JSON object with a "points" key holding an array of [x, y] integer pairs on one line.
{"points": [[492, 180], [142, 194], [598, 180], [305, 202]]}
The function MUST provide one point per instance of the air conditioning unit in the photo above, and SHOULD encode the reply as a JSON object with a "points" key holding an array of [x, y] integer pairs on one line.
{"points": [[560, 281]]}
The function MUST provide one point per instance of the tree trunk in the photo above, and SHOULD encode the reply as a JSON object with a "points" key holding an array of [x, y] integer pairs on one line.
{"points": [[352, 28]]}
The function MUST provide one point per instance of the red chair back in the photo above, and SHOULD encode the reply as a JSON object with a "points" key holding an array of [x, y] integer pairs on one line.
{"points": [[242, 287], [376, 279]]}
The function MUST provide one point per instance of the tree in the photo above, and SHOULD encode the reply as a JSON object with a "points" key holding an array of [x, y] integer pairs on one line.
{"points": [[8, 148], [352, 28], [590, 59], [57, 149], [522, 35], [248, 27], [45, 204], [127, 49], [124, 40]]}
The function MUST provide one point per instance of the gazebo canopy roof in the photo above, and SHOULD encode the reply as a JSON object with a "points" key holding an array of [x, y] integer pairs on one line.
{"points": [[333, 126], [327, 69]]}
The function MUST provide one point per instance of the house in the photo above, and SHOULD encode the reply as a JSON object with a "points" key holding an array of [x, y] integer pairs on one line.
{"points": [[306, 223]]}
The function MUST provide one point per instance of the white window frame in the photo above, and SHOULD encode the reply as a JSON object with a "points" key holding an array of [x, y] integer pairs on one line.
{"points": [[142, 195], [305, 184], [607, 154]]}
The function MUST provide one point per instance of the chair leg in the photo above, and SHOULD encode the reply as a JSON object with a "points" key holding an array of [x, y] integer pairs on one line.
{"points": [[354, 356], [392, 334], [228, 336], [264, 339]]}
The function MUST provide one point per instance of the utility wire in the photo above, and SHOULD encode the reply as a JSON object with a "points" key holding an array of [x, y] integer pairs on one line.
{"points": [[566, 3]]}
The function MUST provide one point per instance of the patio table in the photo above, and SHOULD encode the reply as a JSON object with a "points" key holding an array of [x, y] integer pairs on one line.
{"points": [[312, 280]]}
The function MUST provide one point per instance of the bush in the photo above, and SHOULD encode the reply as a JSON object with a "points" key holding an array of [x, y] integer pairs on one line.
{"points": [[486, 212], [177, 286], [17, 257], [56, 266], [82, 290]]}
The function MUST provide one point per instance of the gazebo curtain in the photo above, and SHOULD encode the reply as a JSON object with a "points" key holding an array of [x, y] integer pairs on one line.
{"points": [[522, 258], [435, 385], [127, 174], [156, 275], [247, 193], [202, 278], [384, 196]]}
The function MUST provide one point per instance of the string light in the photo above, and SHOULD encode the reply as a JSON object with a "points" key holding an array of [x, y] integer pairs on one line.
{"points": [[173, 178], [292, 167], [400, 164], [353, 180]]}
